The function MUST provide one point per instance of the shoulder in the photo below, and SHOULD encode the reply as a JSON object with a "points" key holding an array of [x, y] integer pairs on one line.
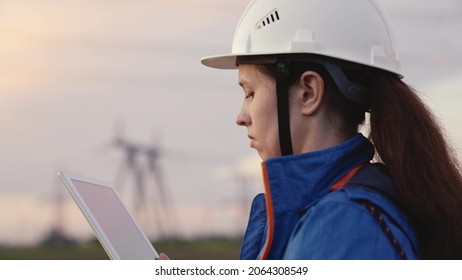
{"points": [[340, 227]]}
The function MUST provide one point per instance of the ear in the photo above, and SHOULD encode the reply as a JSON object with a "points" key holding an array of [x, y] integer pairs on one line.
{"points": [[310, 92]]}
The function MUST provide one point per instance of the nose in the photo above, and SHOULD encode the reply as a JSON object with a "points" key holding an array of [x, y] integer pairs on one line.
{"points": [[243, 117]]}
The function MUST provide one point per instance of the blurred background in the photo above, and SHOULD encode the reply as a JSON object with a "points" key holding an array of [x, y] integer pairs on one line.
{"points": [[115, 90]]}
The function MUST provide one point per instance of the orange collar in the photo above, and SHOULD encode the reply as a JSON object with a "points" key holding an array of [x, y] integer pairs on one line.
{"points": [[341, 183]]}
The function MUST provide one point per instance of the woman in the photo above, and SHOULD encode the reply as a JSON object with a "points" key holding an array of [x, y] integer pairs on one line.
{"points": [[311, 70]]}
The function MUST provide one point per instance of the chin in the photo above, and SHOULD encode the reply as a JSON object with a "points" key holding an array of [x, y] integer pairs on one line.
{"points": [[262, 156]]}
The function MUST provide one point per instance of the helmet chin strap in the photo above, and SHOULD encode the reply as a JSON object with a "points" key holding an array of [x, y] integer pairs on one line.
{"points": [[282, 92]]}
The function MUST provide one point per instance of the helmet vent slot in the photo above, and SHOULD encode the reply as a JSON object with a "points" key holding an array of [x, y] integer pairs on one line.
{"points": [[270, 18]]}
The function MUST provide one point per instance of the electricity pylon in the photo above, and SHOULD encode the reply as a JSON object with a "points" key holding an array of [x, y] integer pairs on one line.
{"points": [[142, 163]]}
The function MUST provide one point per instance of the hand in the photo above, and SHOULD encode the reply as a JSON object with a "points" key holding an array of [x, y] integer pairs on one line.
{"points": [[163, 257]]}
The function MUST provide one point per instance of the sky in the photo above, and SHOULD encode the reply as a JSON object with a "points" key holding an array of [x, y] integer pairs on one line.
{"points": [[76, 74]]}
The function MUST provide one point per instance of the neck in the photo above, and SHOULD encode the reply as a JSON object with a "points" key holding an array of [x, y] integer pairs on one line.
{"points": [[320, 137]]}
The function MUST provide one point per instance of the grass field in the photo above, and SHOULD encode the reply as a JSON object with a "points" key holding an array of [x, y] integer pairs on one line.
{"points": [[203, 249]]}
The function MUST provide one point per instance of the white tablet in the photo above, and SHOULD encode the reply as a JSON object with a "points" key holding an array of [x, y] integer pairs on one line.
{"points": [[114, 226]]}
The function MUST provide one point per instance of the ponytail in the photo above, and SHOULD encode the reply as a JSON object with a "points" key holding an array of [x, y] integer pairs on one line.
{"points": [[410, 143]]}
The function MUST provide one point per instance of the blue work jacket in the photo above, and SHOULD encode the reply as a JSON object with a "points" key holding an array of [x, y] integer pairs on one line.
{"points": [[300, 216]]}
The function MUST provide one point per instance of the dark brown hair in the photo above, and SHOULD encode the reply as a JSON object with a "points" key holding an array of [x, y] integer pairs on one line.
{"points": [[410, 143]]}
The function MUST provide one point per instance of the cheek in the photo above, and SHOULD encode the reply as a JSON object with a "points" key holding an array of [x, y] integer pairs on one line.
{"points": [[264, 118], [263, 112]]}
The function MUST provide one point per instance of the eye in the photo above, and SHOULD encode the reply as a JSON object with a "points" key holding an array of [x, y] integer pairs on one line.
{"points": [[249, 95]]}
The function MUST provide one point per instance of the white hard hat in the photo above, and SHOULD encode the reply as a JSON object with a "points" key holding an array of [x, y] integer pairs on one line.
{"points": [[351, 30]]}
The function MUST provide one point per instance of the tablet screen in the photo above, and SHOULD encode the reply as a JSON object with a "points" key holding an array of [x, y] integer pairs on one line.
{"points": [[124, 235]]}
